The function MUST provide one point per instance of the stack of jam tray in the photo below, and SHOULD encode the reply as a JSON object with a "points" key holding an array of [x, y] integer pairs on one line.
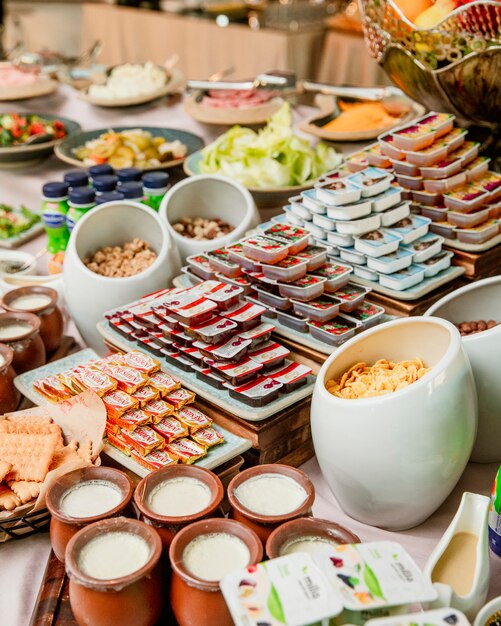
{"points": [[152, 421], [298, 286], [217, 344]]}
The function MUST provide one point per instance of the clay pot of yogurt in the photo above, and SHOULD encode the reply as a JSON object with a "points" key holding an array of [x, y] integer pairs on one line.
{"points": [[21, 332], [114, 572], [83, 497], [173, 497], [307, 534], [201, 554], [9, 395], [42, 301], [266, 496]]}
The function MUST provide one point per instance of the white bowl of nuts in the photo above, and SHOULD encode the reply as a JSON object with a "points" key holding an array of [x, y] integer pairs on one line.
{"points": [[207, 211], [117, 253], [475, 310]]}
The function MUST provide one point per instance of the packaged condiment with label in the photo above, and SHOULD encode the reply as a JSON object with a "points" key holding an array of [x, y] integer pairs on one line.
{"points": [[239, 281], [214, 330], [180, 397], [199, 265], [158, 409], [258, 334], [95, 380], [117, 402], [335, 331], [296, 238], [140, 361], [170, 428], [293, 320], [273, 300], [220, 261], [164, 383], [238, 256], [193, 418], [292, 375], [208, 437], [195, 312], [256, 393], [232, 349], [236, 373], [130, 420], [225, 296], [304, 289], [145, 394], [265, 250], [143, 439], [118, 441], [315, 255], [187, 450], [321, 309], [367, 314], [246, 316], [156, 459], [269, 354], [128, 379], [289, 269]]}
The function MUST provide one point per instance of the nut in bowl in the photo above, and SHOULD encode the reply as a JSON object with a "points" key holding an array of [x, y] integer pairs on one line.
{"points": [[378, 453], [474, 308], [210, 198]]}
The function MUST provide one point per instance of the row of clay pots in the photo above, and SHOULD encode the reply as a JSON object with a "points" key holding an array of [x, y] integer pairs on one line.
{"points": [[101, 603]]}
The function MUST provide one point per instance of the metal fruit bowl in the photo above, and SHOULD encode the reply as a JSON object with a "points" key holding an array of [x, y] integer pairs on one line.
{"points": [[454, 67]]}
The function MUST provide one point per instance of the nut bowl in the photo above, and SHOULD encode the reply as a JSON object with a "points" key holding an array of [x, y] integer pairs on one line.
{"points": [[392, 460], [453, 67], [474, 302]]}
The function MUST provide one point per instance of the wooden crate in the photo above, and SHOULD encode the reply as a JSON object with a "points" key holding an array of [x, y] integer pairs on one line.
{"points": [[479, 265]]}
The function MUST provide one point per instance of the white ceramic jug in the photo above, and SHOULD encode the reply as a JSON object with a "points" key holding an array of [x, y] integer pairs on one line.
{"points": [[470, 563]]}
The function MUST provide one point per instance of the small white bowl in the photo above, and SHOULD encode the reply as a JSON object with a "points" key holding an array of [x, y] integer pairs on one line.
{"points": [[18, 256], [480, 300], [392, 460], [210, 196], [88, 295], [487, 611]]}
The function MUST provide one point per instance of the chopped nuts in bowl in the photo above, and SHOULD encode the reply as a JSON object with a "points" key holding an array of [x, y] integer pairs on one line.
{"points": [[132, 258], [202, 228]]}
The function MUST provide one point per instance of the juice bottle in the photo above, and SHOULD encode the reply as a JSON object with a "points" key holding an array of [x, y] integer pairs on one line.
{"points": [[104, 183], [155, 185], [76, 178], [54, 211], [495, 516], [109, 196], [81, 200], [129, 174], [132, 190]]}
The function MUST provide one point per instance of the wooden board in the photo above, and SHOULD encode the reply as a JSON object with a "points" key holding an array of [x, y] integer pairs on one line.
{"points": [[478, 264], [52, 607]]}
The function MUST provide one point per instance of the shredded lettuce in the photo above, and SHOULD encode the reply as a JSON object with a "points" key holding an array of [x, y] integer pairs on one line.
{"points": [[272, 157]]}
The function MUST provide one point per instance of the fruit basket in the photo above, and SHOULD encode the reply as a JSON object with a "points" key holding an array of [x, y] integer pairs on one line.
{"points": [[453, 66]]}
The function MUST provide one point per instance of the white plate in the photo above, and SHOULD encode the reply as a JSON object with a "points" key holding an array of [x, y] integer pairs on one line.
{"points": [[41, 87], [232, 446], [173, 84], [244, 116]]}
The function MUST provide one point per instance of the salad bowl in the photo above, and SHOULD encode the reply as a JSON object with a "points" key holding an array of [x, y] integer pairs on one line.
{"points": [[25, 155]]}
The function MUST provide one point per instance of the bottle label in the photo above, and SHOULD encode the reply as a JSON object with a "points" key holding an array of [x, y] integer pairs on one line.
{"points": [[53, 220]]}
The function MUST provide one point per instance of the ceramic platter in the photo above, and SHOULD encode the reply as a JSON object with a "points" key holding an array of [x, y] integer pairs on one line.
{"points": [[328, 111], [264, 198], [245, 116], [43, 86], [419, 290], [218, 397], [14, 157], [455, 244], [65, 150], [174, 82], [216, 456], [18, 240]]}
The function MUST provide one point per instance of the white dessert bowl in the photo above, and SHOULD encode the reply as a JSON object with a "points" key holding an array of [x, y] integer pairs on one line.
{"points": [[392, 460], [480, 300], [88, 295], [210, 196]]}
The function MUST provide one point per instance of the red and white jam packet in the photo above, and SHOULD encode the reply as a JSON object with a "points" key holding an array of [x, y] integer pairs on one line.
{"points": [[256, 393], [214, 330], [269, 354], [236, 373], [291, 374], [187, 450], [117, 402]]}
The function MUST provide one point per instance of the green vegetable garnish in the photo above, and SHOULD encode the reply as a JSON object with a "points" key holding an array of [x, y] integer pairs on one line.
{"points": [[272, 157], [15, 221]]}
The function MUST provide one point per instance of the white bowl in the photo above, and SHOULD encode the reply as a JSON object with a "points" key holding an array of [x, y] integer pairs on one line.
{"points": [[487, 611], [392, 460], [88, 295], [480, 300], [209, 196], [18, 256]]}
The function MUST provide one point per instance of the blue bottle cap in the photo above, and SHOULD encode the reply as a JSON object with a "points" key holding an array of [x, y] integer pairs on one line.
{"points": [[100, 170], [107, 182], [109, 196], [82, 195], [155, 180], [128, 174], [132, 190], [76, 178], [55, 190]]}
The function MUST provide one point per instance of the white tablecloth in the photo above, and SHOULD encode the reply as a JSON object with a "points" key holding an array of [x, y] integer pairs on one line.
{"points": [[22, 563]]}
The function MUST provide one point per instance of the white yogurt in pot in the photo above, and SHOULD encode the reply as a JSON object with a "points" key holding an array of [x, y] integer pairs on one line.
{"points": [[31, 302], [90, 498], [179, 497], [211, 557], [113, 555], [310, 544], [271, 494], [13, 330]]}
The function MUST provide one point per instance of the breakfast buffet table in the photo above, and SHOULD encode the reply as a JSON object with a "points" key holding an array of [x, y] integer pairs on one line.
{"points": [[22, 563]]}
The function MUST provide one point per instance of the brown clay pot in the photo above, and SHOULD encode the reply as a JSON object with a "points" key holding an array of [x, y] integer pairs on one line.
{"points": [[307, 527], [195, 601], [29, 349], [132, 599], [51, 318], [63, 527], [9, 395], [166, 526], [264, 525]]}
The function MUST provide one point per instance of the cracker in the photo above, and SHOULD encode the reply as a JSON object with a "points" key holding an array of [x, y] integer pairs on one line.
{"points": [[64, 455], [25, 490], [29, 454], [85, 451], [5, 468], [8, 499]]}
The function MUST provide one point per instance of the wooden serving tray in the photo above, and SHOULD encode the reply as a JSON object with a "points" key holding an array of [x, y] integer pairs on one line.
{"points": [[478, 264], [52, 607]]}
